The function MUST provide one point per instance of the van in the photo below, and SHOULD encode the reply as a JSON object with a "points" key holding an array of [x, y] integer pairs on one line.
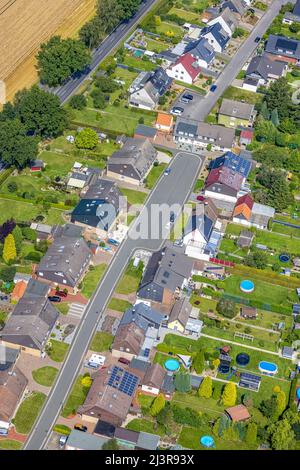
{"points": [[62, 441]]}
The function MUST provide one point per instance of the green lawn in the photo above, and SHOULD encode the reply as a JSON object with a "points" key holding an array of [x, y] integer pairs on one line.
{"points": [[92, 279], [190, 438], [10, 444], [279, 243], [154, 175], [101, 341], [145, 425], [63, 307], [134, 197], [139, 63], [119, 304], [250, 97], [75, 399], [130, 280], [45, 375], [28, 412], [26, 212], [62, 429], [156, 45], [184, 14], [58, 350], [165, 28]]}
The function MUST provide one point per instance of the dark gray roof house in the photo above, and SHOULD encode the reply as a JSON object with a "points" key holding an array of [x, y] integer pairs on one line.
{"points": [[263, 68], [283, 47], [66, 260], [201, 50], [133, 160], [202, 220], [167, 270], [32, 319], [236, 6], [148, 87], [201, 133], [237, 109], [218, 33], [294, 16], [181, 311], [143, 316]]}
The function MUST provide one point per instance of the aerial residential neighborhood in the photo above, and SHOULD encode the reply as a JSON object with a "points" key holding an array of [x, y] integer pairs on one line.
{"points": [[150, 226]]}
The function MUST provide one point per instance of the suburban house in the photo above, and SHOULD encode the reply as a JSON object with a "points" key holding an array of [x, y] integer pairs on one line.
{"points": [[179, 315], [153, 379], [245, 239], [227, 20], [201, 134], [132, 162], [145, 132], [110, 396], [227, 175], [201, 51], [164, 122], [126, 438], [186, 69], [167, 272], [99, 208], [285, 49], [31, 321], [238, 413], [246, 137], [148, 87], [294, 16], [66, 260], [167, 57], [216, 36], [252, 214], [265, 70], [249, 313], [137, 332], [82, 177], [200, 225], [238, 7], [13, 384], [43, 231], [77, 440], [235, 113]]}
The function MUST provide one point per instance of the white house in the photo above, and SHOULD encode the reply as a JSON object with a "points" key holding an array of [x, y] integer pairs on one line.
{"points": [[216, 36], [227, 20], [185, 69]]}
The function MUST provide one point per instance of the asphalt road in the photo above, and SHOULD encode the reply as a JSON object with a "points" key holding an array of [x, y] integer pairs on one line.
{"points": [[98, 55], [236, 63], [172, 189]]}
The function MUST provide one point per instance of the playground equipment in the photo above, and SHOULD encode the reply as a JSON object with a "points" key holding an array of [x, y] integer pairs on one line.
{"points": [[233, 371]]}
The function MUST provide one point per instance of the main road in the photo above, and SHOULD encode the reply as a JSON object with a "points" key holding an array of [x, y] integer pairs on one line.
{"points": [[172, 189], [65, 91], [237, 62]]}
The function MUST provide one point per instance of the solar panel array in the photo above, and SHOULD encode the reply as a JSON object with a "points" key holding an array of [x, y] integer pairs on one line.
{"points": [[248, 380], [123, 381]]}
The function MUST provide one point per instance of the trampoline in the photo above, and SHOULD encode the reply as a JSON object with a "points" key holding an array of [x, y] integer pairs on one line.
{"points": [[172, 365], [242, 359], [247, 286], [284, 258], [224, 368], [207, 441]]}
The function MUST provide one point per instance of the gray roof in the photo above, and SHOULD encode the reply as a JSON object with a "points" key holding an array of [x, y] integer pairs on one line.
{"points": [[287, 351], [203, 132], [264, 67], [296, 10], [281, 45], [168, 55], [237, 6], [143, 316], [148, 441], [137, 153], [295, 18], [181, 311], [229, 18], [146, 131], [105, 190], [85, 441], [261, 209], [218, 33], [32, 318], [67, 230], [200, 49], [66, 255], [236, 109]]}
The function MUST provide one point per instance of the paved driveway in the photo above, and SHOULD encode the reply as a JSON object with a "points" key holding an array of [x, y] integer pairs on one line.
{"points": [[190, 108]]}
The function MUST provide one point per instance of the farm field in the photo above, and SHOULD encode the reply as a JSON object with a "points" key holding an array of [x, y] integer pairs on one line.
{"points": [[24, 26]]}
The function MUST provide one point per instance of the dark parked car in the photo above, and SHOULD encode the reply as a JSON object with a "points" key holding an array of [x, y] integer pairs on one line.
{"points": [[177, 110], [80, 427], [188, 96], [200, 198], [123, 360], [257, 39], [54, 298], [172, 217], [213, 88], [62, 294]]}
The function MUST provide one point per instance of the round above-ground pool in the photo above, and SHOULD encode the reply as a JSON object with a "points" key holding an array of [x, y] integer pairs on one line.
{"points": [[207, 441], [284, 258], [268, 368], [298, 394], [172, 365], [247, 286], [242, 359]]}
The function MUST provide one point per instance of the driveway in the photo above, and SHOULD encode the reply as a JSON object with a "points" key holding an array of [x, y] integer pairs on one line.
{"points": [[189, 108]]}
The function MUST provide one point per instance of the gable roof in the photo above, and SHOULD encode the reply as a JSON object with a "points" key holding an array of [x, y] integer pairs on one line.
{"points": [[154, 376], [143, 316], [262, 65], [229, 18], [164, 119], [19, 290], [281, 45], [12, 386], [238, 413], [200, 49], [218, 33], [225, 176], [296, 10], [203, 132], [233, 162], [243, 207], [189, 64], [131, 334], [203, 219], [95, 213], [236, 109], [181, 311], [237, 6]]}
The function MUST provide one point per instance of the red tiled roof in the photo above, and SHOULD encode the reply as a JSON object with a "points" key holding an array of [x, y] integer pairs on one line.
{"points": [[224, 176], [247, 134], [190, 65], [246, 199]]}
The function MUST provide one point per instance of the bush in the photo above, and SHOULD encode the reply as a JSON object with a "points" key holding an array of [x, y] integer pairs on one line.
{"points": [[78, 102], [29, 234], [12, 187]]}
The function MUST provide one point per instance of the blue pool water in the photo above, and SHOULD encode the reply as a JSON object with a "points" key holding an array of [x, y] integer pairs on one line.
{"points": [[207, 441], [172, 365], [298, 393], [268, 367], [247, 286]]}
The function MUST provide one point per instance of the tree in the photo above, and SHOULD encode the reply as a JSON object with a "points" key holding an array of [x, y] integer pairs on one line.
{"points": [[279, 96], [268, 407], [111, 444], [227, 308], [205, 389], [165, 416], [128, 7], [109, 13], [264, 112], [86, 139], [9, 250], [282, 435], [157, 405], [16, 148], [265, 131], [78, 102], [294, 27], [251, 434], [281, 402], [182, 382], [99, 99], [7, 273], [91, 34], [18, 237], [41, 112], [257, 259], [12, 187], [198, 362], [59, 58], [86, 381], [274, 117], [229, 395], [6, 229], [106, 85]]}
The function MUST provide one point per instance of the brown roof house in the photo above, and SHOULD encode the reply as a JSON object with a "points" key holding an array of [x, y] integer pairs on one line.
{"points": [[153, 379], [110, 396], [128, 341], [13, 384], [31, 321], [238, 413], [248, 312]]}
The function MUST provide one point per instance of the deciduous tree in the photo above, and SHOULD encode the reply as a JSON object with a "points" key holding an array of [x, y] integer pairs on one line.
{"points": [[205, 389], [86, 139], [9, 250], [157, 405], [229, 394]]}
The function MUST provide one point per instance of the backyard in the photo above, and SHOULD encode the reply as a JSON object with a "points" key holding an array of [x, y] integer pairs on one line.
{"points": [[101, 341]]}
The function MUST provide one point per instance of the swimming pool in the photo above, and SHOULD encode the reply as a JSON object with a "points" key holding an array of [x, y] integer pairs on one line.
{"points": [[207, 441], [247, 286], [172, 365], [268, 368]]}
